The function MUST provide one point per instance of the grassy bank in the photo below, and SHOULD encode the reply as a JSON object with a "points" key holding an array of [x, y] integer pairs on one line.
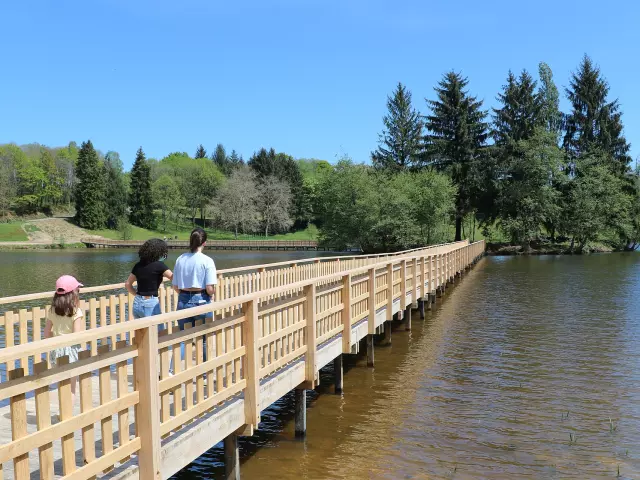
{"points": [[137, 233], [12, 232]]}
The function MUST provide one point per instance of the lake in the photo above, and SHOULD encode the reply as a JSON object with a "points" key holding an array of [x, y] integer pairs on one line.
{"points": [[530, 367], [516, 374], [37, 271]]}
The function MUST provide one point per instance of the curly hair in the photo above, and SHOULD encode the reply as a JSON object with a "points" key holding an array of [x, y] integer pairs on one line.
{"points": [[153, 250]]}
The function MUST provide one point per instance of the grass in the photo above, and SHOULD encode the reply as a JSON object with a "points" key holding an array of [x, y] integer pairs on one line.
{"points": [[12, 232], [137, 233]]}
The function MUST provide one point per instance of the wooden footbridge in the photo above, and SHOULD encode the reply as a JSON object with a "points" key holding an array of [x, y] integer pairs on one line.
{"points": [[143, 411], [304, 245]]}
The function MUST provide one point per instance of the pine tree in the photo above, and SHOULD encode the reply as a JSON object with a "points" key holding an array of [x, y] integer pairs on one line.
{"points": [[520, 112], [141, 198], [594, 121], [221, 160], [399, 144], [457, 135], [235, 160], [116, 198], [550, 115], [89, 189], [201, 152]]}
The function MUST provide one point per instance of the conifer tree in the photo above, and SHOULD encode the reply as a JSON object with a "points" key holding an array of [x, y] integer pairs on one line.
{"points": [[400, 143], [519, 114], [201, 152], [141, 198], [221, 160], [457, 135], [116, 197], [595, 122], [89, 189]]}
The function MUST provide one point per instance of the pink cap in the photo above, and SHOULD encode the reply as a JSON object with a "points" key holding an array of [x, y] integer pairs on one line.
{"points": [[66, 284]]}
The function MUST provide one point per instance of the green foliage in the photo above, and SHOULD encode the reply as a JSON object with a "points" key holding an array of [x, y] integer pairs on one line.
{"points": [[167, 197], [116, 189], [550, 115], [378, 211], [519, 115], [456, 138], [400, 143], [528, 196], [12, 232], [201, 152], [596, 206], [89, 189], [594, 122], [140, 198], [124, 229]]}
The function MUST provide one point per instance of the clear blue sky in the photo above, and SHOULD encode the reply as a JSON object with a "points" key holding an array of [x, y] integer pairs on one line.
{"points": [[307, 77]]}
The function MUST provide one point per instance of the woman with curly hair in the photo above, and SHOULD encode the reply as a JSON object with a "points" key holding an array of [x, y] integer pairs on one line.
{"points": [[149, 272]]}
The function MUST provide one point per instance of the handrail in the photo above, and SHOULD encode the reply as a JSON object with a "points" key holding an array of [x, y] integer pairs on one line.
{"points": [[249, 268]]}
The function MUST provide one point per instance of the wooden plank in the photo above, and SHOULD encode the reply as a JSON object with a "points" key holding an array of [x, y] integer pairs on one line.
{"points": [[65, 400], [104, 380], [188, 363], [9, 337], [414, 283], [112, 316], [165, 397], [18, 407], [371, 321], [252, 391], [93, 306], [24, 337], [403, 285], [123, 387], [346, 313], [43, 421], [94, 468], [103, 318], [86, 404], [146, 381], [310, 333], [199, 361]]}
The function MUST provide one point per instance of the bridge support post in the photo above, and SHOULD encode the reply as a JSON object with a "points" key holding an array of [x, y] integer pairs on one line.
{"points": [[231, 457], [421, 308], [387, 333], [301, 412], [407, 319], [338, 373], [370, 351]]}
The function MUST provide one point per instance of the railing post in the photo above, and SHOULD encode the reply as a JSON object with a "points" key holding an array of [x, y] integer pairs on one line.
{"points": [[423, 277], [372, 301], [414, 284], [403, 285], [390, 292], [251, 332], [148, 422], [310, 316], [346, 313]]}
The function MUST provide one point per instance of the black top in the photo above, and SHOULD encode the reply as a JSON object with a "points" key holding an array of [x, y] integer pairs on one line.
{"points": [[149, 277]]}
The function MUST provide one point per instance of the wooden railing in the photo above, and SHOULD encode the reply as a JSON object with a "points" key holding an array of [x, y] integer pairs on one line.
{"points": [[261, 323]]}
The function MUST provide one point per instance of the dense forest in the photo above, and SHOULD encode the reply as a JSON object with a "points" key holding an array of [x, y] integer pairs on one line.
{"points": [[525, 168]]}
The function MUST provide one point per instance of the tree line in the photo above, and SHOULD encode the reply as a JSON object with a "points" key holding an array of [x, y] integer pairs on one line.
{"points": [[533, 170]]}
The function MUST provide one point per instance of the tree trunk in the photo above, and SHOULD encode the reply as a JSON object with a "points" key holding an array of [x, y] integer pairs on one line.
{"points": [[266, 231], [458, 228], [236, 231]]}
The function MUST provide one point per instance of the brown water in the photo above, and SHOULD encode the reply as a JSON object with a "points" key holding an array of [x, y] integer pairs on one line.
{"points": [[515, 375]]}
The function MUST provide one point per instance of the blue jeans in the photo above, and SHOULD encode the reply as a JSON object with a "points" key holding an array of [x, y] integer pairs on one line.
{"points": [[146, 307], [190, 300]]}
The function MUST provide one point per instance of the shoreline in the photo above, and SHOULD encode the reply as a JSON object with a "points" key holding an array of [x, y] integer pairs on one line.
{"points": [[508, 250]]}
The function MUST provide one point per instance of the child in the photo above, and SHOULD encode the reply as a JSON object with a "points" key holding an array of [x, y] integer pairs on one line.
{"points": [[65, 317]]}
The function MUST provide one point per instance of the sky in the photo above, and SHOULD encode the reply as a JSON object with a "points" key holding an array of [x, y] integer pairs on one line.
{"points": [[306, 77]]}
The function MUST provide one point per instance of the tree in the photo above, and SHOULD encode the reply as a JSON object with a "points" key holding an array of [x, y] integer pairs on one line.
{"points": [[550, 115], [457, 135], [201, 152], [528, 197], [141, 198], [167, 196], [237, 201], [220, 159], [400, 142], [52, 184], [89, 189], [586, 216], [235, 160], [595, 122], [432, 196], [274, 204], [519, 114], [7, 187], [116, 189]]}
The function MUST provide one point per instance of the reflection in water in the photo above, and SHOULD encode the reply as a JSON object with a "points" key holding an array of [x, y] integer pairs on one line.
{"points": [[514, 375]]}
